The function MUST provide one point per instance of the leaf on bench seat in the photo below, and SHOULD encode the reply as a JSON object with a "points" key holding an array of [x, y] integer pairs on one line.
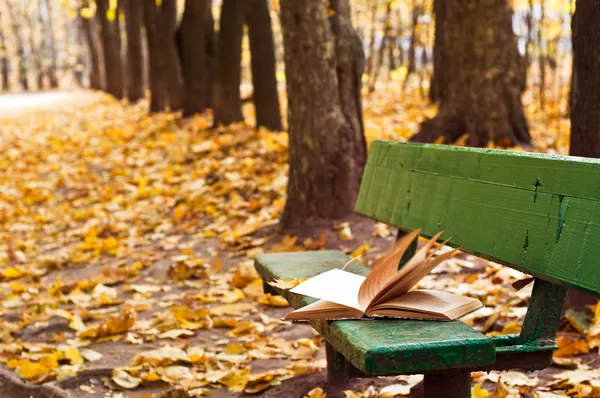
{"points": [[287, 284]]}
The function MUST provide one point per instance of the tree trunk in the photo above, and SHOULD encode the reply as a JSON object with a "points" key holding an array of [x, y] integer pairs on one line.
{"points": [[165, 74], [195, 57], [372, 36], [324, 63], [382, 46], [48, 43], [94, 53], [168, 11], [484, 93], [135, 54], [12, 44], [4, 75], [585, 103], [412, 49], [262, 50], [542, 56], [110, 36], [37, 40], [226, 95], [441, 73]]}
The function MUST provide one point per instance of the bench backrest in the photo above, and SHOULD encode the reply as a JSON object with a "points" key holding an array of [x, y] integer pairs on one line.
{"points": [[534, 212]]}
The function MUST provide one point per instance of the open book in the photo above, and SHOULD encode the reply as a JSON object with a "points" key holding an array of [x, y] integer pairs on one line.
{"points": [[386, 291]]}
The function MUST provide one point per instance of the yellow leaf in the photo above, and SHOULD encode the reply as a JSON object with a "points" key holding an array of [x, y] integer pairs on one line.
{"points": [[125, 380], [11, 273], [570, 345], [179, 212], [316, 393], [236, 380], [217, 265], [73, 355], [87, 12], [31, 370], [111, 14], [479, 392], [360, 251], [273, 301], [49, 361], [346, 233], [511, 328]]}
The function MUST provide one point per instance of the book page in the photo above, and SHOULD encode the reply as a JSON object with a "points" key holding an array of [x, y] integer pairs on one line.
{"points": [[324, 310], [335, 285], [384, 269], [404, 283], [429, 302]]}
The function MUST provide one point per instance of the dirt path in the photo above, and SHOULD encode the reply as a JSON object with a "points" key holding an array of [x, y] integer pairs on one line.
{"points": [[19, 104]]}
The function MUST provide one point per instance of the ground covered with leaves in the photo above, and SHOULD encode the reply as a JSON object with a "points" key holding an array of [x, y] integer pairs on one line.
{"points": [[126, 260]]}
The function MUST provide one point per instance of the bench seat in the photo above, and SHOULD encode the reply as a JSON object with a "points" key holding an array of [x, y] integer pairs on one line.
{"points": [[380, 347]]}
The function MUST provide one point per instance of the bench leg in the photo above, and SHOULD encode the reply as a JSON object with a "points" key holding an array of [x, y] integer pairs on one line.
{"points": [[269, 289], [335, 366], [450, 384]]}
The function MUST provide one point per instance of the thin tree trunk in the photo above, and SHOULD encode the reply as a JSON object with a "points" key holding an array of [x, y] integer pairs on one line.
{"points": [[439, 81], [135, 55], [4, 63], [110, 36], [372, 38], [324, 63], [262, 49], [412, 48], [165, 74], [12, 45], [159, 98], [384, 42], [49, 45], [542, 56], [484, 93], [168, 10], [226, 95], [195, 59], [94, 53], [37, 41], [585, 103]]}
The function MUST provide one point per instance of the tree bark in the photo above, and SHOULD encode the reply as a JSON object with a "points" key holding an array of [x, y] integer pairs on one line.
{"points": [[4, 63], [13, 46], [165, 74], [484, 94], [324, 63], [226, 95], [542, 55], [48, 43], [193, 38], [262, 50], [441, 74], [110, 36], [94, 53], [585, 102], [135, 54], [412, 49], [374, 75]]}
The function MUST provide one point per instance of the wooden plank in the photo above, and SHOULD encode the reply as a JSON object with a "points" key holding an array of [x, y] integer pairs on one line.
{"points": [[381, 347], [552, 236], [562, 175]]}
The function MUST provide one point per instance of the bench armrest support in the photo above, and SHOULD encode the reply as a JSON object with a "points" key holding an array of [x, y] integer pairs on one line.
{"points": [[543, 313]]}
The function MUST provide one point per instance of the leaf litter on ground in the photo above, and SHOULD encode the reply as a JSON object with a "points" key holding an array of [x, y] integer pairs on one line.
{"points": [[135, 233]]}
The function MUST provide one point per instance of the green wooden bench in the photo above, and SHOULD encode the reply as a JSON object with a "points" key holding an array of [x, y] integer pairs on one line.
{"points": [[536, 213]]}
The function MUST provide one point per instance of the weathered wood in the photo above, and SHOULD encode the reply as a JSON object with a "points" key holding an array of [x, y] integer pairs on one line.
{"points": [[543, 313], [536, 213], [455, 384], [335, 366], [381, 347]]}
